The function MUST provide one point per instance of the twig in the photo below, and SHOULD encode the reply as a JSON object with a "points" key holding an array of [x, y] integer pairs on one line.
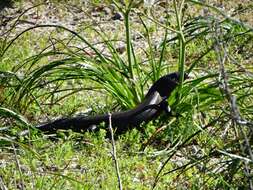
{"points": [[235, 115], [22, 187], [2, 185], [182, 145], [114, 156], [234, 156]]}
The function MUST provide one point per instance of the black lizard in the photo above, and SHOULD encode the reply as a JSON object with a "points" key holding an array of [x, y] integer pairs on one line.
{"points": [[152, 106]]}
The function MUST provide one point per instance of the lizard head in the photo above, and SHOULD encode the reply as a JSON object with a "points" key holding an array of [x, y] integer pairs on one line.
{"points": [[166, 84]]}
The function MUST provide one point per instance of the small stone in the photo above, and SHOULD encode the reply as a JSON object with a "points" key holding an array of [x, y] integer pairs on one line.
{"points": [[117, 16]]}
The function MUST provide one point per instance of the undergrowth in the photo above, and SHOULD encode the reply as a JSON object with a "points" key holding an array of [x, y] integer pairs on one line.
{"points": [[105, 67]]}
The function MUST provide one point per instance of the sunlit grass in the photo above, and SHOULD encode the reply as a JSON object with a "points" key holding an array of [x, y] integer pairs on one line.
{"points": [[66, 72]]}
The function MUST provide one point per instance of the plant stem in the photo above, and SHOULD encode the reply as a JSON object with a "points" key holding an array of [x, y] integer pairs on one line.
{"points": [[128, 43], [182, 44]]}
